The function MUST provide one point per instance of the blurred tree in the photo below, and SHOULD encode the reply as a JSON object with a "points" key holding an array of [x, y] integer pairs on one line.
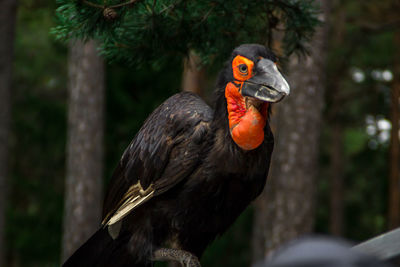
{"points": [[380, 18], [383, 18], [38, 129], [394, 174], [371, 28], [83, 188], [357, 102], [337, 69], [7, 31], [193, 77], [286, 208]]}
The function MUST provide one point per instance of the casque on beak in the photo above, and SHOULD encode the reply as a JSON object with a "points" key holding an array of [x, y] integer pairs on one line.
{"points": [[267, 84]]}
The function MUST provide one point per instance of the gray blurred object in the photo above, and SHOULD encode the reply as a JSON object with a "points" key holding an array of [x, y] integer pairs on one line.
{"points": [[321, 252], [384, 247]]}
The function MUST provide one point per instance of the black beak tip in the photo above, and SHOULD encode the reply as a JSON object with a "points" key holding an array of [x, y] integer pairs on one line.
{"points": [[278, 97], [264, 93]]}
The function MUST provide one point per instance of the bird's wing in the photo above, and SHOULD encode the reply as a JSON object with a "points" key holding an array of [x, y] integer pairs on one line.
{"points": [[164, 152]]}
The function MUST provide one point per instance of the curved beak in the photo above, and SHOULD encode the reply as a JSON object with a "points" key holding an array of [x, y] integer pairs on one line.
{"points": [[267, 84]]}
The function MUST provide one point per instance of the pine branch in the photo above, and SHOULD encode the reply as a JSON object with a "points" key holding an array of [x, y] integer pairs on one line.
{"points": [[147, 30]]}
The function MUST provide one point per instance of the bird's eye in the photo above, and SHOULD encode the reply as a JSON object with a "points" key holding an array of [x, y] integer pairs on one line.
{"points": [[243, 68]]}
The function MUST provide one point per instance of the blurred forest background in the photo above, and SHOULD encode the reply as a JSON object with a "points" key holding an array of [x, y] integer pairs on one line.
{"points": [[336, 160]]}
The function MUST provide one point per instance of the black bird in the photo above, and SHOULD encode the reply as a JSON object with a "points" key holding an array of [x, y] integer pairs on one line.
{"points": [[190, 170]]}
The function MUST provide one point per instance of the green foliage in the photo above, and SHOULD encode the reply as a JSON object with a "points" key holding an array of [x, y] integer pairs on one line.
{"points": [[366, 194], [149, 30], [34, 214], [357, 45]]}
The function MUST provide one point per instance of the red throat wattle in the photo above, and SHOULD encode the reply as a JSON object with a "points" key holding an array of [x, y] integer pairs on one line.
{"points": [[246, 121]]}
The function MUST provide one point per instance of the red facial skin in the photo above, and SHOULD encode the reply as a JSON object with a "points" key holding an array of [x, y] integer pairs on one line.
{"points": [[246, 124]]}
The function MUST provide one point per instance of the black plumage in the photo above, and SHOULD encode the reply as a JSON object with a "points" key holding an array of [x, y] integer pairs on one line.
{"points": [[181, 182]]}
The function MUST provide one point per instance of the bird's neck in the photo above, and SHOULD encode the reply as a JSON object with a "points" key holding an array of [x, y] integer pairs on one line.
{"points": [[244, 130], [246, 122]]}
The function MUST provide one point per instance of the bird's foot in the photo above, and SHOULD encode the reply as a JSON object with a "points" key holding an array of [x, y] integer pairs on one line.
{"points": [[189, 260], [186, 259]]}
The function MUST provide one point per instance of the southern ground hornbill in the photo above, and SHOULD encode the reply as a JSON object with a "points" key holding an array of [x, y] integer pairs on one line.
{"points": [[190, 170]]}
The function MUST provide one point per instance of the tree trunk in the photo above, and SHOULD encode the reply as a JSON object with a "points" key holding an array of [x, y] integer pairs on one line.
{"points": [[394, 175], [7, 32], [336, 181], [193, 78], [285, 209], [83, 198], [334, 117]]}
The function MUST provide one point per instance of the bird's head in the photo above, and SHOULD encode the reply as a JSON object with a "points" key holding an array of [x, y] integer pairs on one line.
{"points": [[251, 82]]}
